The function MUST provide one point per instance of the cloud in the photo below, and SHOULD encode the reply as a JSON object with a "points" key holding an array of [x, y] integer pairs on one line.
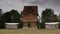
{"points": [[7, 5], [43, 2], [54, 4]]}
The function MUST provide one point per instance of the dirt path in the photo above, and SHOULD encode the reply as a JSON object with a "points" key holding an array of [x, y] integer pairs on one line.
{"points": [[29, 31]]}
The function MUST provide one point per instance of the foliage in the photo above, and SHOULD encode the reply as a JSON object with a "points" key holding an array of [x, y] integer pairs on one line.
{"points": [[38, 25], [11, 17], [56, 19], [2, 23], [20, 25], [7, 17], [15, 16], [48, 16]]}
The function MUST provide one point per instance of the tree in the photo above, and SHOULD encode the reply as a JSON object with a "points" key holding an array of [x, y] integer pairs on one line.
{"points": [[59, 17], [48, 16], [12, 17], [2, 22], [55, 18], [0, 12], [7, 17], [15, 16]]}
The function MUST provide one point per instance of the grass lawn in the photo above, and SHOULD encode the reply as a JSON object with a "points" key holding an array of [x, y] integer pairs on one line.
{"points": [[29, 31]]}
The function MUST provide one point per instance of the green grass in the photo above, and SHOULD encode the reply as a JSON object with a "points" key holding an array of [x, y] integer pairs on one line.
{"points": [[29, 31]]}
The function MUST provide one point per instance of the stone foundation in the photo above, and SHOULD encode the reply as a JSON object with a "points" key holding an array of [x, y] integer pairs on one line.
{"points": [[30, 25]]}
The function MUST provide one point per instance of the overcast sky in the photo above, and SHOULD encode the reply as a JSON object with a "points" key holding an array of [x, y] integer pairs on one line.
{"points": [[7, 5]]}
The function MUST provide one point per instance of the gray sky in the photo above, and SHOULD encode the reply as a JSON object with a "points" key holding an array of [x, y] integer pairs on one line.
{"points": [[7, 5]]}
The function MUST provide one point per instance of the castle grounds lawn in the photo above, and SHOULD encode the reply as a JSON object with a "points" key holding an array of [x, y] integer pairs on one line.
{"points": [[29, 31]]}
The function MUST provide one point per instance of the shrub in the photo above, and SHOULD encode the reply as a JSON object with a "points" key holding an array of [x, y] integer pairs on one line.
{"points": [[2, 23], [38, 25], [20, 24]]}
